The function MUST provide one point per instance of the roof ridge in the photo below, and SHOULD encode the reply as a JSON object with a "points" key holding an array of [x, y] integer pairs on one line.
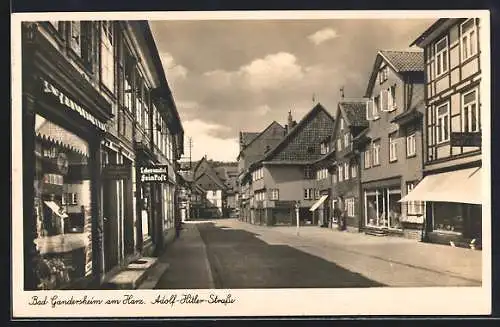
{"points": [[401, 50]]}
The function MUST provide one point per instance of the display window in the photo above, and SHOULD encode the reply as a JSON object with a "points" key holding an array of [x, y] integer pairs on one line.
{"points": [[62, 205]]}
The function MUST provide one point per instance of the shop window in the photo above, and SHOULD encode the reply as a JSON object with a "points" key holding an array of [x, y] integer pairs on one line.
{"points": [[382, 208], [62, 206], [447, 217]]}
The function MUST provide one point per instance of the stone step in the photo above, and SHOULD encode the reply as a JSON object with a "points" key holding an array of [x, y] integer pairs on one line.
{"points": [[132, 275]]}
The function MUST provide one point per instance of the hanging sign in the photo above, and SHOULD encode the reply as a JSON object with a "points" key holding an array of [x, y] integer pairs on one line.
{"points": [[69, 103], [155, 174], [116, 171]]}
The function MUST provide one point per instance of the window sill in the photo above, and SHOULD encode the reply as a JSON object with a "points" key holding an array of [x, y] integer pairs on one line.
{"points": [[411, 156], [393, 161], [106, 90], [469, 59]]}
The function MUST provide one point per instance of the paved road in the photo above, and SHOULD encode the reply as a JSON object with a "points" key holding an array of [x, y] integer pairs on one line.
{"points": [[227, 253], [239, 259]]}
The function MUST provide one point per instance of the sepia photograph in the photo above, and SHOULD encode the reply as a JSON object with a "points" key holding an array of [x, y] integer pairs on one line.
{"points": [[251, 164]]}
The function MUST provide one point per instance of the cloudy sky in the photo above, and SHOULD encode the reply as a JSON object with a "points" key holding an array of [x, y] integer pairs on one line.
{"points": [[240, 75]]}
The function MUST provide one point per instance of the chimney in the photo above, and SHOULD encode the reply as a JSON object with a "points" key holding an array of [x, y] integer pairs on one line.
{"points": [[290, 124]]}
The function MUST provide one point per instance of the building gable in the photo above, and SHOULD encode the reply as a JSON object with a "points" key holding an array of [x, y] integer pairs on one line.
{"points": [[303, 143]]}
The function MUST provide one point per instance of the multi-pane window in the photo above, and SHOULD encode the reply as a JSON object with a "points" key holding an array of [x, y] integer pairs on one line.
{"points": [[368, 158], [470, 112], [413, 207], [383, 74], [442, 123], [354, 169], [127, 83], [441, 48], [391, 98], [81, 41], [321, 174], [339, 144], [376, 153], [346, 170], [347, 140], [107, 56], [145, 107], [308, 193], [275, 194], [341, 173], [308, 173], [411, 145], [258, 174], [393, 148], [468, 39], [324, 148], [139, 101], [349, 204]]}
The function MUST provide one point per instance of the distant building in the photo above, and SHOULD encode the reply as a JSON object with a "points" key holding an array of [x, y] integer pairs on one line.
{"points": [[284, 177], [207, 178], [452, 185]]}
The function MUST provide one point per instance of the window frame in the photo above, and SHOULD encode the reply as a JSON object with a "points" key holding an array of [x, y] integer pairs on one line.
{"points": [[413, 137], [393, 148], [462, 111], [376, 149], [367, 155], [473, 30], [438, 127], [107, 42], [439, 55]]}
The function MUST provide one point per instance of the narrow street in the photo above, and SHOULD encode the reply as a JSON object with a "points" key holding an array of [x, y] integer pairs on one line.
{"points": [[227, 253]]}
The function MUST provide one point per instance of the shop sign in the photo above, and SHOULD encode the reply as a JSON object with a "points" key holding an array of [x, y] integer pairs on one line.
{"points": [[116, 171], [65, 100], [155, 174], [284, 204], [465, 139]]}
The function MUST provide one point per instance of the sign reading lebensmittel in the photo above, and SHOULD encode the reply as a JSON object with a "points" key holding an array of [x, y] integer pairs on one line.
{"points": [[155, 174]]}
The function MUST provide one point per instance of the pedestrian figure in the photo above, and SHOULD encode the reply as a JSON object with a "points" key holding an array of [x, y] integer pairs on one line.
{"points": [[337, 213]]}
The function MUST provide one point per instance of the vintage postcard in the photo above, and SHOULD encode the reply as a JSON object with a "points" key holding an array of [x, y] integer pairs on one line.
{"points": [[222, 164]]}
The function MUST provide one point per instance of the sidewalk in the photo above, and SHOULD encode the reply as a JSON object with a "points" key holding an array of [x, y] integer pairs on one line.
{"points": [[457, 262], [187, 262]]}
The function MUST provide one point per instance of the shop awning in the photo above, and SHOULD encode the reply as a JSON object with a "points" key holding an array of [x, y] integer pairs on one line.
{"points": [[318, 203], [56, 209], [461, 186]]}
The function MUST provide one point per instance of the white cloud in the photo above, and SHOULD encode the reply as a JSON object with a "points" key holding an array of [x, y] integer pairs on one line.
{"points": [[172, 69], [204, 143], [271, 72], [263, 110], [322, 36]]}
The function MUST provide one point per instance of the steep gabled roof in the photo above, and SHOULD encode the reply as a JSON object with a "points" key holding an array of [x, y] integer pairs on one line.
{"points": [[213, 178], [402, 62], [354, 112], [311, 114], [255, 137], [247, 137]]}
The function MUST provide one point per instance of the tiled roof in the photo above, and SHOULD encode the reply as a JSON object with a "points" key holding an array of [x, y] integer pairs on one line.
{"points": [[405, 61], [354, 112], [247, 137], [298, 127]]}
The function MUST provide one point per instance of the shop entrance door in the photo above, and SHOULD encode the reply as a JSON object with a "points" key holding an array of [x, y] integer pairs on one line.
{"points": [[109, 199]]}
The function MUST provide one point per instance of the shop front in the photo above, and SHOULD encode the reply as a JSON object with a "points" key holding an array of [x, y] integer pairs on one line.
{"points": [[65, 184], [453, 206], [156, 206]]}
